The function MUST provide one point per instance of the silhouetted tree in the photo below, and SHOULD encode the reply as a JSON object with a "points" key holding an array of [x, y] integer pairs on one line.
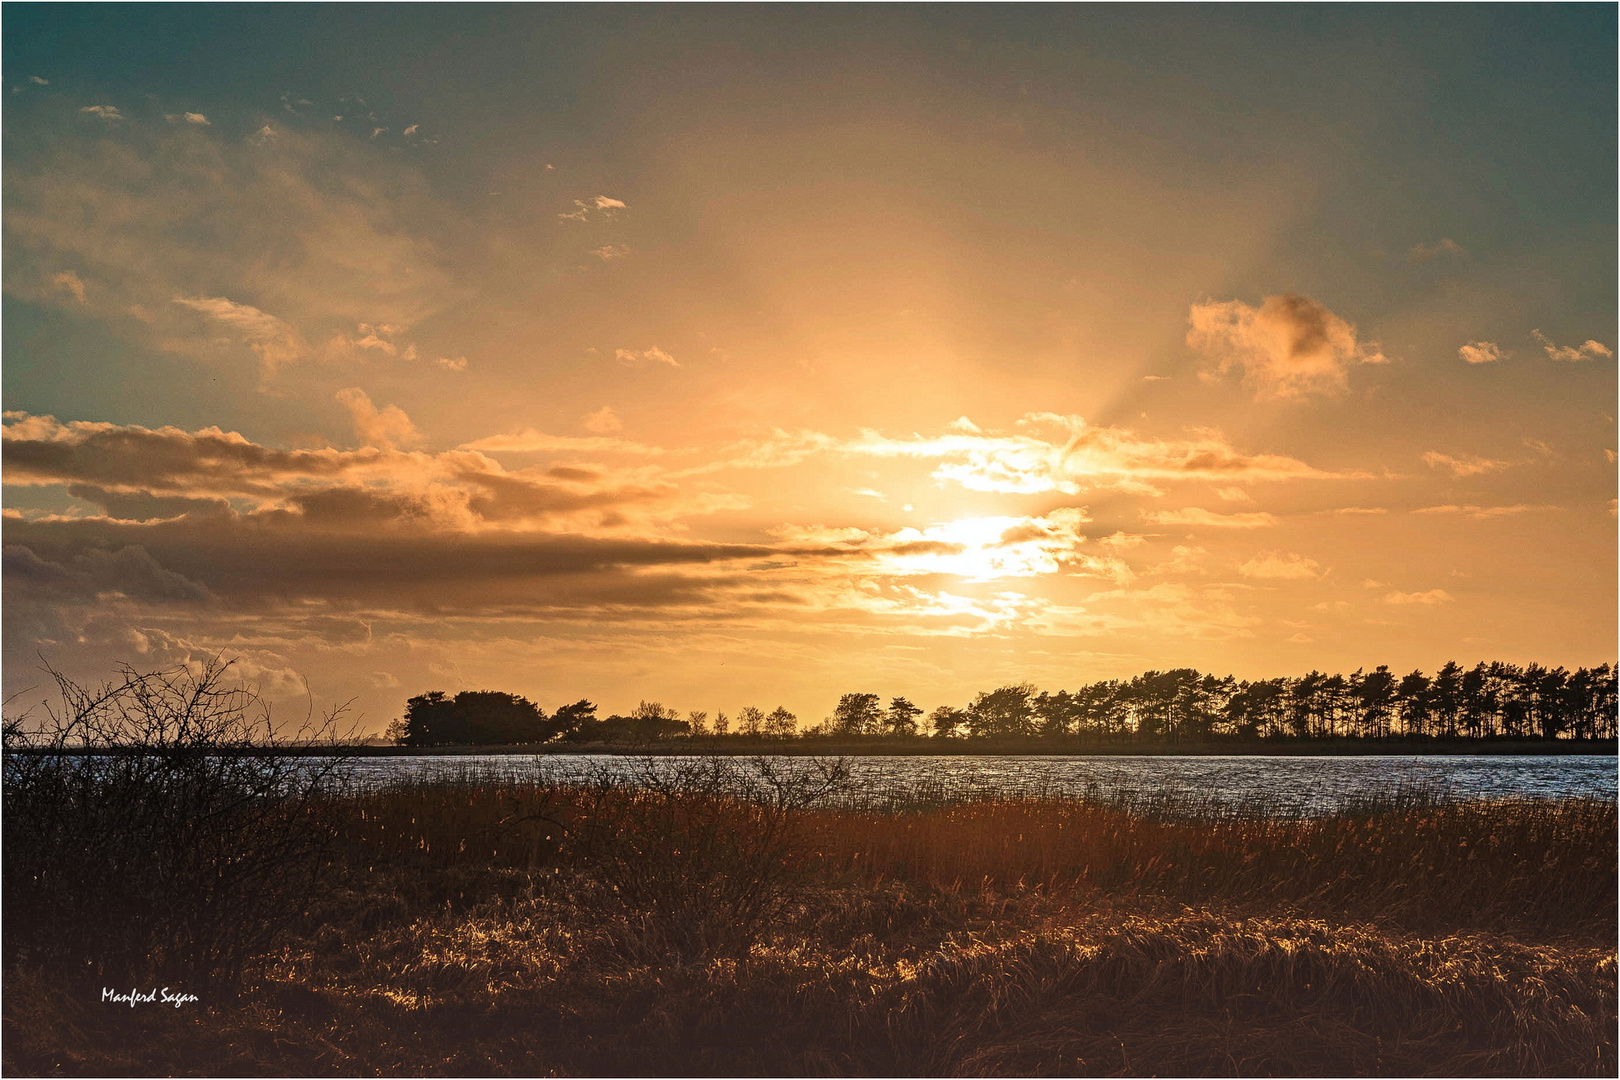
{"points": [[1257, 709], [781, 724], [901, 718], [857, 714], [1056, 714], [1413, 702], [1446, 698], [948, 722], [576, 722], [750, 721], [1374, 694], [1002, 712]]}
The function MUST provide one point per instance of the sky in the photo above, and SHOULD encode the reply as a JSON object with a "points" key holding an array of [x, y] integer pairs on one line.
{"points": [[730, 355]]}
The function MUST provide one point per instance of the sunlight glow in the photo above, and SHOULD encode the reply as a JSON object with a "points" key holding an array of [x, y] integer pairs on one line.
{"points": [[982, 549]]}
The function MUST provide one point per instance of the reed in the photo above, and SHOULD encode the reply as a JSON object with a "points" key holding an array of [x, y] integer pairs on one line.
{"points": [[511, 925]]}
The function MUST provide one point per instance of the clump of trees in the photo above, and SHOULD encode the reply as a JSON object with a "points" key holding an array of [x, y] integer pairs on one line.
{"points": [[472, 717], [493, 718], [1489, 700]]}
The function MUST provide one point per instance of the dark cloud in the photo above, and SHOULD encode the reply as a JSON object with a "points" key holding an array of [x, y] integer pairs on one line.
{"points": [[93, 572], [254, 563], [140, 506]]}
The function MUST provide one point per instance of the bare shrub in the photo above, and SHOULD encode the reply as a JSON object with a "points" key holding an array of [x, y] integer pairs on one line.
{"points": [[158, 826]]}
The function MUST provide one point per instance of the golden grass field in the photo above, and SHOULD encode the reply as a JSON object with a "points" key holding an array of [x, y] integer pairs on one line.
{"points": [[504, 928]]}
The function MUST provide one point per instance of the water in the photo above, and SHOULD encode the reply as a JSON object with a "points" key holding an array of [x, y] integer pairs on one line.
{"points": [[1308, 784]]}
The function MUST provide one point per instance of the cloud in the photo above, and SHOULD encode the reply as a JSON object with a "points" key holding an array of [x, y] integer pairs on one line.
{"points": [[275, 250], [1047, 452], [103, 112], [530, 441], [1464, 464], [1480, 512], [70, 282], [1193, 515], [608, 252], [387, 429], [252, 566], [1429, 598], [1587, 350], [1288, 347], [196, 118], [603, 421], [653, 355], [1480, 352], [1280, 566], [452, 363], [1233, 494], [601, 206], [975, 549], [275, 342], [1443, 246], [101, 574], [375, 487]]}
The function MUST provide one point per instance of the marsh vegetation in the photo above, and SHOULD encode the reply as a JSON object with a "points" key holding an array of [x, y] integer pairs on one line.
{"points": [[731, 917]]}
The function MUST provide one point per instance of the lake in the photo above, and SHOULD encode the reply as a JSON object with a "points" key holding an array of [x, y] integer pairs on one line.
{"points": [[1306, 784]]}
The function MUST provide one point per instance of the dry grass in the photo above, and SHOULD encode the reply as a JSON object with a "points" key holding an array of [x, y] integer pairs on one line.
{"points": [[497, 928]]}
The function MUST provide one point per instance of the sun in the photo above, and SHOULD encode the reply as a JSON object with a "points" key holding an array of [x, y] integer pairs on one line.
{"points": [[979, 549]]}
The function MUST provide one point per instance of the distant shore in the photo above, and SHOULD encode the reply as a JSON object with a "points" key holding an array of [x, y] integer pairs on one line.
{"points": [[927, 747]]}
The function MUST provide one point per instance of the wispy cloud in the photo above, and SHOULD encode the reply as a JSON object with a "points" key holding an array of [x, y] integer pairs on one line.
{"points": [[603, 421], [70, 282], [1480, 352], [307, 240], [1280, 566], [650, 355], [1428, 599], [1587, 350], [1444, 246], [103, 112], [1480, 512], [1048, 452], [1288, 347], [602, 206], [275, 342], [530, 441], [1463, 464], [1196, 516]]}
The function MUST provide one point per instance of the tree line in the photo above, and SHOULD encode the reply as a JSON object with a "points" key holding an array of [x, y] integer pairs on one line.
{"points": [[1489, 700]]}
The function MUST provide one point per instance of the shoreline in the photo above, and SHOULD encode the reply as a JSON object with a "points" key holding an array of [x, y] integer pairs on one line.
{"points": [[927, 747]]}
